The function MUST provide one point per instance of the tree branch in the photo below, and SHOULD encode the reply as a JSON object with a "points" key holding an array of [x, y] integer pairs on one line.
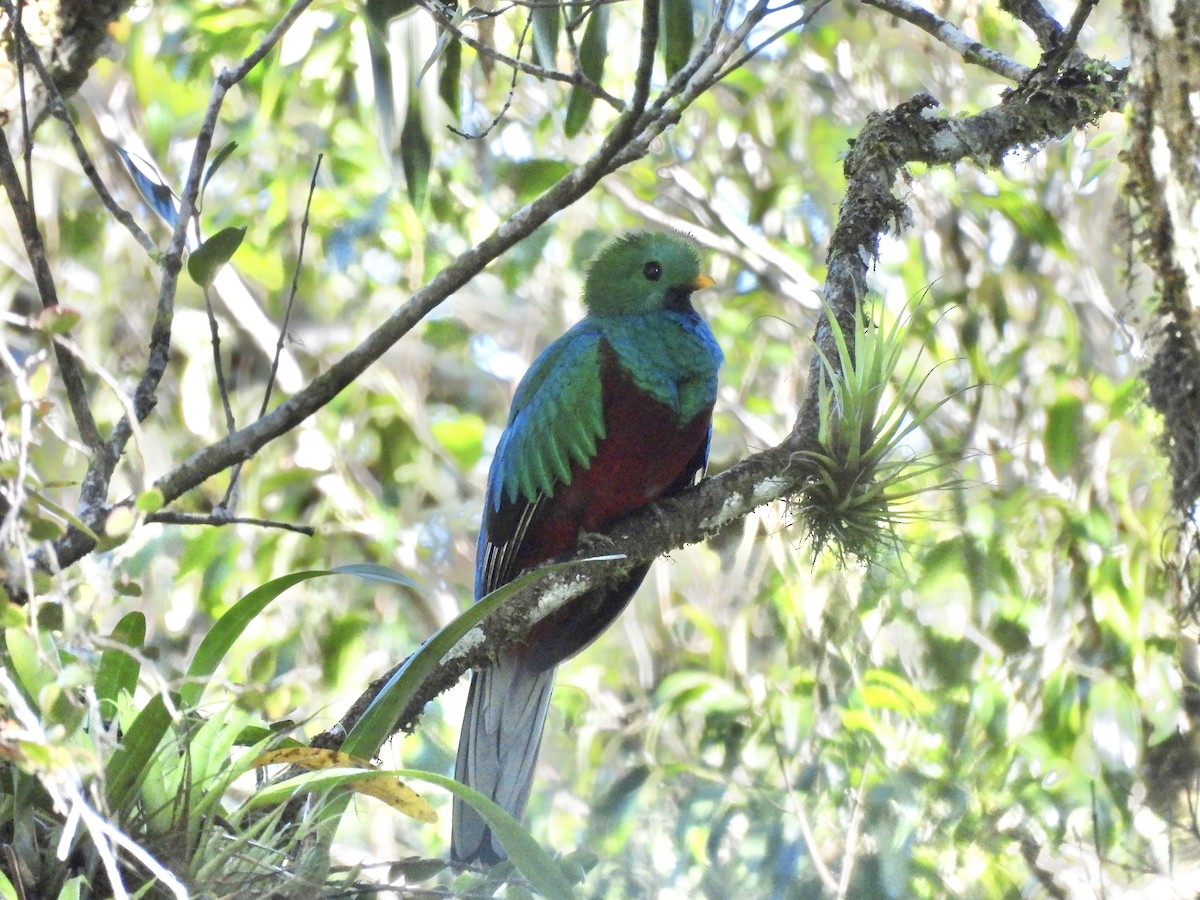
{"points": [[167, 517], [442, 17], [1039, 110], [35, 249], [629, 139], [689, 518], [1026, 117], [57, 107], [952, 36], [76, 33], [102, 465]]}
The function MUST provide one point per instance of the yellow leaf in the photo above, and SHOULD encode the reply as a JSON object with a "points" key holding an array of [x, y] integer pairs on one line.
{"points": [[374, 783]]}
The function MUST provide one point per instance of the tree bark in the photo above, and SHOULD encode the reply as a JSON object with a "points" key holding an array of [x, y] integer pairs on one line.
{"points": [[1165, 185], [70, 35]]}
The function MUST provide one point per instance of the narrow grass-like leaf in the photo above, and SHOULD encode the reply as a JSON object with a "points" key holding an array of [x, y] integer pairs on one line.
{"points": [[847, 500], [217, 162], [124, 771], [371, 781], [542, 872], [416, 153], [229, 628], [376, 572], [231, 625], [593, 51], [118, 670], [73, 520], [375, 725]]}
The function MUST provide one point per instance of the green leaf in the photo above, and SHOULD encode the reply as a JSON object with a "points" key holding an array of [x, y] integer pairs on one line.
{"points": [[416, 153], [118, 670], [592, 53], [11, 615], [126, 767], [217, 162], [42, 529], [882, 689], [462, 437], [150, 501], [450, 76], [48, 504], [375, 725], [542, 872], [529, 178], [547, 23], [57, 319], [1064, 431], [230, 626], [23, 655], [206, 260], [678, 34]]}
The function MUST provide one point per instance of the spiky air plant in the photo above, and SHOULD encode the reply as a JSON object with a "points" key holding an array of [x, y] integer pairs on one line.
{"points": [[861, 471]]}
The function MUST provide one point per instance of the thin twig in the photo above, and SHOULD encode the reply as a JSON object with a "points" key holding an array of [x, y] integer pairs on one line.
{"points": [[1043, 25], [807, 16], [228, 501], [167, 517], [26, 132], [442, 17], [512, 89], [806, 833], [102, 465], [1095, 808], [58, 109], [291, 302], [953, 37], [44, 280], [1055, 57], [852, 835], [214, 332]]}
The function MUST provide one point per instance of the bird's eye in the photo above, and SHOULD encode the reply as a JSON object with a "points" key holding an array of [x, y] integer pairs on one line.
{"points": [[652, 271]]}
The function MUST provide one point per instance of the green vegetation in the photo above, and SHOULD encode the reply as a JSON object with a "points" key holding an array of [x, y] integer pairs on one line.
{"points": [[973, 690]]}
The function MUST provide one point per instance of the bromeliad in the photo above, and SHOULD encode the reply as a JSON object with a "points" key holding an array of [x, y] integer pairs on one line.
{"points": [[615, 413]]}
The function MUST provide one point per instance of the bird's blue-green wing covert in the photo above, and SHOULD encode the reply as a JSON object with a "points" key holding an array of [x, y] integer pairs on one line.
{"points": [[555, 421]]}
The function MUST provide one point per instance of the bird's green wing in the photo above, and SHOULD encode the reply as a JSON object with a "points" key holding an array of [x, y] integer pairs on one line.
{"points": [[555, 421]]}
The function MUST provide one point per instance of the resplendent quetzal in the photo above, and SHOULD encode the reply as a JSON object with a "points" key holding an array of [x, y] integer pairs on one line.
{"points": [[612, 415]]}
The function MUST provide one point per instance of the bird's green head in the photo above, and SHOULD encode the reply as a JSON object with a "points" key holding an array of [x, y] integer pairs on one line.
{"points": [[641, 272]]}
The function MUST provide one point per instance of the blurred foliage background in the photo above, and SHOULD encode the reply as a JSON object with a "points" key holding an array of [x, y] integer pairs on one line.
{"points": [[971, 714]]}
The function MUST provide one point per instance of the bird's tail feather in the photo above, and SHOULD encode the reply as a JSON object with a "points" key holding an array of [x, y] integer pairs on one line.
{"points": [[498, 750]]}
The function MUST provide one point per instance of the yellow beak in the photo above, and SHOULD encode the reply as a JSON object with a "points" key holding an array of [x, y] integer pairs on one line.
{"points": [[701, 282]]}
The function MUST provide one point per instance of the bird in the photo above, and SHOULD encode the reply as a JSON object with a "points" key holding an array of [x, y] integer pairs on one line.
{"points": [[611, 416]]}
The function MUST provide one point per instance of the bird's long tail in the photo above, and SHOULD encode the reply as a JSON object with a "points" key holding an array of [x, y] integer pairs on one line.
{"points": [[498, 749]]}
